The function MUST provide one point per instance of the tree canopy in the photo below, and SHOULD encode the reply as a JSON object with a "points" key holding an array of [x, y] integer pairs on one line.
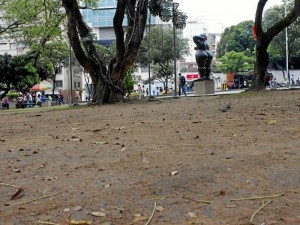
{"points": [[16, 73], [236, 62], [277, 47], [264, 36], [237, 38]]}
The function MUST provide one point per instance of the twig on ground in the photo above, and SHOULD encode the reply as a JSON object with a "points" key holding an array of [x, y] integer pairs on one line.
{"points": [[201, 201], [65, 154], [47, 223], [151, 214], [289, 200], [260, 208], [9, 185], [259, 197], [33, 200], [160, 198], [295, 191], [284, 157]]}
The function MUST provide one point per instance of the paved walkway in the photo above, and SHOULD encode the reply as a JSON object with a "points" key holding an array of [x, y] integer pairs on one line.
{"points": [[217, 92], [227, 92]]}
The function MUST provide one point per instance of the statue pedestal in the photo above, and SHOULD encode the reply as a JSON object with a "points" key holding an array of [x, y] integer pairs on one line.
{"points": [[202, 87]]}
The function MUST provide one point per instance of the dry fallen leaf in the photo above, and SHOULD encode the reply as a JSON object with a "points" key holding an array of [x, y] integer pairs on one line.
{"points": [[159, 208], [174, 173], [98, 214], [272, 122], [80, 222], [118, 128], [16, 170], [18, 194], [101, 142], [66, 210], [139, 218], [77, 208], [123, 149], [192, 214]]}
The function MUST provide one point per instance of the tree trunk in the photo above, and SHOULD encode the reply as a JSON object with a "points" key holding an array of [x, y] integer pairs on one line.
{"points": [[263, 39], [107, 79], [262, 62]]}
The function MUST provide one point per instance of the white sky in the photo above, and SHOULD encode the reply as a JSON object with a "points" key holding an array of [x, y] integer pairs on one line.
{"points": [[225, 12]]}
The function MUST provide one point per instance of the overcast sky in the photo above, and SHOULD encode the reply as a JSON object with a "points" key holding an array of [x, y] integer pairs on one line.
{"points": [[226, 12]]}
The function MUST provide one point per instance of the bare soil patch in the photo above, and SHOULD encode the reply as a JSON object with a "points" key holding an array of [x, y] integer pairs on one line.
{"points": [[194, 157]]}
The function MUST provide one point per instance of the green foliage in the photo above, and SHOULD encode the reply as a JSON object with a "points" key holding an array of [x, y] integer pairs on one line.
{"points": [[236, 38], [236, 62], [105, 53], [38, 22], [161, 53], [277, 48], [54, 56], [128, 84], [16, 73], [12, 95], [164, 9]]}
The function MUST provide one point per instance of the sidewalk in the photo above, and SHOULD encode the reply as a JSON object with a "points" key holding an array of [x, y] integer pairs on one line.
{"points": [[217, 92]]}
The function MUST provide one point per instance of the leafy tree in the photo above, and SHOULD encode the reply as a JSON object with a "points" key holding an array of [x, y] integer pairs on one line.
{"points": [[236, 62], [54, 56], [162, 52], [109, 78], [264, 38], [37, 23], [277, 47], [128, 84], [16, 73], [236, 38]]}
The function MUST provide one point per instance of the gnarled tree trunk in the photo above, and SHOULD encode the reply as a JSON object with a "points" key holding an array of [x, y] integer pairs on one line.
{"points": [[108, 79], [263, 39]]}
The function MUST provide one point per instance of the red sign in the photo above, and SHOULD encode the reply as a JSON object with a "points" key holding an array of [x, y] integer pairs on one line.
{"points": [[192, 76]]}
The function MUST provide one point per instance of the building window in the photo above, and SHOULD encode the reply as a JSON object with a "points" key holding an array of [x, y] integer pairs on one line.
{"points": [[78, 84], [74, 84], [58, 83], [13, 46]]}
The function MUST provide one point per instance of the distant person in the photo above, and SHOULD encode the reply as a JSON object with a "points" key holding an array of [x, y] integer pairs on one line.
{"points": [[157, 91], [28, 99], [5, 102], [293, 81], [38, 99], [153, 90], [271, 82], [173, 88], [77, 97], [188, 87], [60, 98], [182, 83], [139, 89]]}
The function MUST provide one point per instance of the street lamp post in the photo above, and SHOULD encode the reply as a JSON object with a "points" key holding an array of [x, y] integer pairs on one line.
{"points": [[174, 3], [149, 66], [286, 46], [70, 72]]}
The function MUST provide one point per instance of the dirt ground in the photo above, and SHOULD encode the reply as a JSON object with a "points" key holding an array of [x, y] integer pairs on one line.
{"points": [[191, 160]]}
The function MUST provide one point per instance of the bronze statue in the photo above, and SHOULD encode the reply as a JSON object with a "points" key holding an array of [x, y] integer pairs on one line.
{"points": [[203, 56]]}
